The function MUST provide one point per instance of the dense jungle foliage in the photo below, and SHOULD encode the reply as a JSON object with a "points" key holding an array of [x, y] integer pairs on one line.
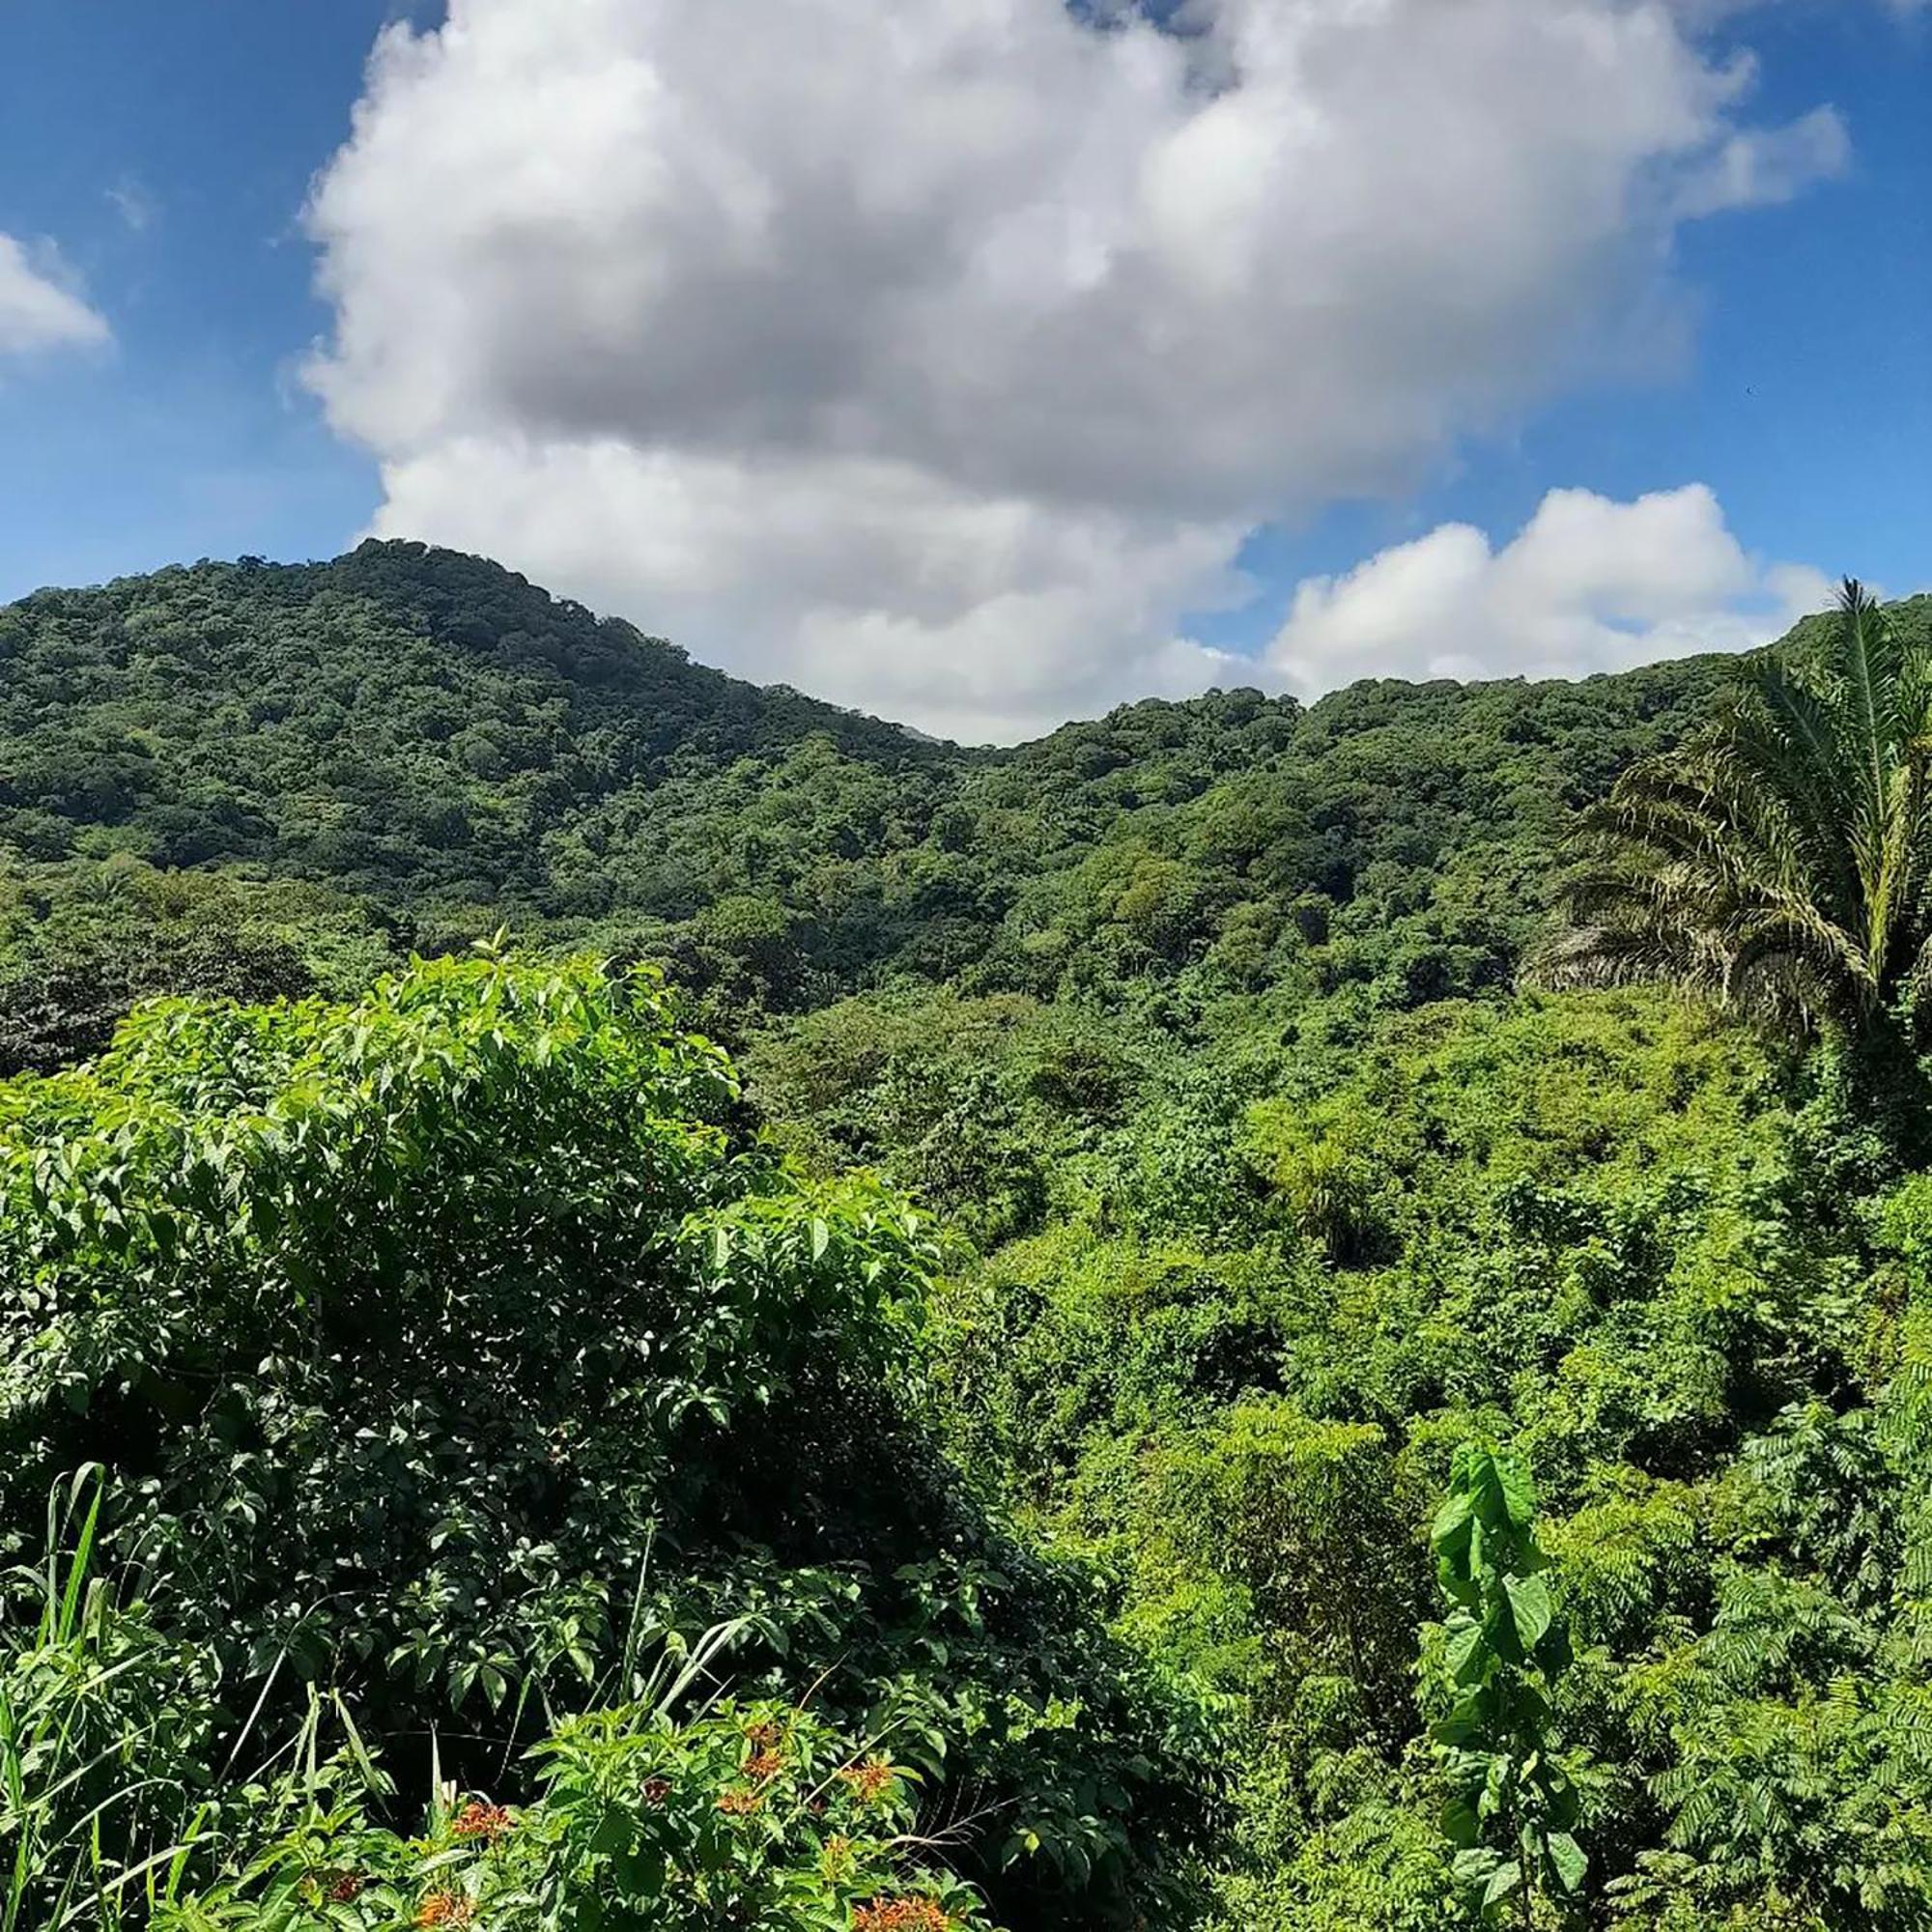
{"points": [[1177, 1366]]}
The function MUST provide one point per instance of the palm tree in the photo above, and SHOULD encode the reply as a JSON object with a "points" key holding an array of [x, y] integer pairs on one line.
{"points": [[1781, 861]]}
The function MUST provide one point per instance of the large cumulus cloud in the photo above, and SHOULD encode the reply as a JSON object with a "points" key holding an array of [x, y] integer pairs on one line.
{"points": [[939, 357]]}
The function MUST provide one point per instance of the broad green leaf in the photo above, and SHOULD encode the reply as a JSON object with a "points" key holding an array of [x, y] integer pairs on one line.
{"points": [[1451, 1521], [1504, 1882], [1568, 1862], [1465, 1654], [1530, 1608], [1518, 1491], [1460, 1825]]}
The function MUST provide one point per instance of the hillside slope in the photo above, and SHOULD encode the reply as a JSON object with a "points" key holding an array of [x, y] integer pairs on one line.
{"points": [[452, 749], [402, 720]]}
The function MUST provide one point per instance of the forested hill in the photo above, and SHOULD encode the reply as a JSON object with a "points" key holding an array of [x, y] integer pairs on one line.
{"points": [[1270, 1207], [450, 748], [401, 720]]}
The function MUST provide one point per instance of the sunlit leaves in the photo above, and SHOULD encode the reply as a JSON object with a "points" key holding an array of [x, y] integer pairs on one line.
{"points": [[646, 1815], [443, 1342], [1512, 1806]]}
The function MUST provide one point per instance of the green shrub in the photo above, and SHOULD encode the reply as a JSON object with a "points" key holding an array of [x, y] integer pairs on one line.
{"points": [[415, 1333], [758, 1814]]}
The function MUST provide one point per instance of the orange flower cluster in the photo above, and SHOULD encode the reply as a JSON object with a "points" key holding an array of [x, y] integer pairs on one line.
{"points": [[446, 1907], [489, 1822], [339, 1888], [763, 1737], [764, 1764], [901, 1915], [740, 1804], [869, 1781]]}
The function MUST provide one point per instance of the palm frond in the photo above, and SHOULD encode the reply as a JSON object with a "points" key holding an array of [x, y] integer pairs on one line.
{"points": [[1868, 661], [1781, 861]]}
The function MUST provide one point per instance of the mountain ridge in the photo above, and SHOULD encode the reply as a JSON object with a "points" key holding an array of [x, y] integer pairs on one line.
{"points": [[448, 749], [379, 565]]}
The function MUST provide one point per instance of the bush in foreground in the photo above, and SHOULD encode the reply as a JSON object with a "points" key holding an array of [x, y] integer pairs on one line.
{"points": [[441, 1345]]}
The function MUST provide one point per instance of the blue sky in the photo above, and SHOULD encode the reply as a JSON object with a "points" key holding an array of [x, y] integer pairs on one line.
{"points": [[203, 123], [168, 151]]}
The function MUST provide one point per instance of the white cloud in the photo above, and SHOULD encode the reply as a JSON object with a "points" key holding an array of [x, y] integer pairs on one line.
{"points": [[939, 355], [1003, 612], [1760, 167], [134, 202], [39, 308], [1587, 585]]}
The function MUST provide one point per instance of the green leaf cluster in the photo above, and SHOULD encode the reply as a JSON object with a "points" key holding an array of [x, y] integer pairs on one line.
{"points": [[1513, 1804], [443, 1346]]}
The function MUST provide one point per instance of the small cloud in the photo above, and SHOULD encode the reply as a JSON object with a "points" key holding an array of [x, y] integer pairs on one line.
{"points": [[1763, 167], [1588, 584], [137, 208], [39, 305]]}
